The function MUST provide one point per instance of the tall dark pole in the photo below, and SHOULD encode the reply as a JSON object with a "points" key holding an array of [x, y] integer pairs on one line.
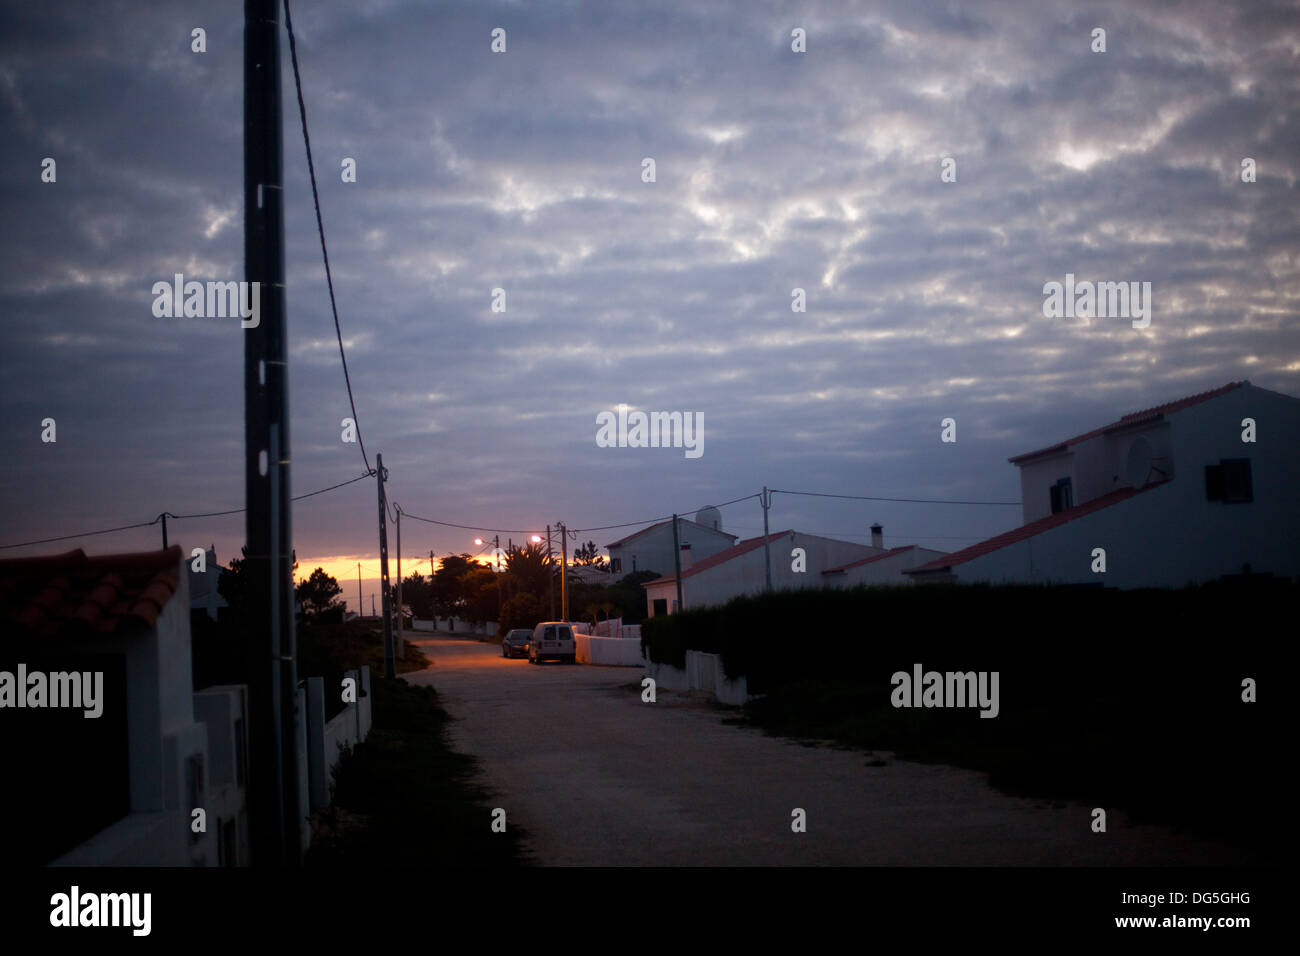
{"points": [[275, 831], [677, 563], [496, 556], [564, 572], [767, 543], [401, 646], [163, 516], [390, 663], [550, 567]]}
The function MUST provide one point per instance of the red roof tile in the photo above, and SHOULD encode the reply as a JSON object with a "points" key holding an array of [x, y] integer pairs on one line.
{"points": [[875, 557], [75, 594], [1133, 418], [749, 544], [1033, 528]]}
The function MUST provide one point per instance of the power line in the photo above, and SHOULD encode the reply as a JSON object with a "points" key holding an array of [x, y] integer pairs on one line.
{"points": [[918, 501], [320, 225], [209, 514], [84, 534], [667, 517]]}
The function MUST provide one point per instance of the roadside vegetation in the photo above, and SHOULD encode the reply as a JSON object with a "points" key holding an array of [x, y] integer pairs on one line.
{"points": [[404, 798], [1116, 699]]}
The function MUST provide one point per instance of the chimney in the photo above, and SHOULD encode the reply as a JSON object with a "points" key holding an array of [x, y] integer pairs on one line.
{"points": [[878, 536], [686, 558]]}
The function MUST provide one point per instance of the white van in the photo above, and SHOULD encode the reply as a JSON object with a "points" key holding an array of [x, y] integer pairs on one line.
{"points": [[553, 639]]}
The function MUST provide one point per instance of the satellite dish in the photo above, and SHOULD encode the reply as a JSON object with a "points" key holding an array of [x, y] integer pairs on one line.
{"points": [[710, 517], [1138, 469]]}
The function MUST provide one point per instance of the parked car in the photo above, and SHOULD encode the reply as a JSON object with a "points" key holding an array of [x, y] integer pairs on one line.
{"points": [[515, 643], [553, 639]]}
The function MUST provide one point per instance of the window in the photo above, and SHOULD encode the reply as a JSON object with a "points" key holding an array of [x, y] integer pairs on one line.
{"points": [[1229, 481], [616, 565], [1062, 495], [661, 607]]}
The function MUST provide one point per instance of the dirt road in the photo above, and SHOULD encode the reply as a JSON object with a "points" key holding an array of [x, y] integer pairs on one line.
{"points": [[597, 777]]}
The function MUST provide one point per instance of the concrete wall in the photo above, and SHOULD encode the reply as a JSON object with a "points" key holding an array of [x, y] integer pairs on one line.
{"points": [[610, 651], [703, 672], [418, 625]]}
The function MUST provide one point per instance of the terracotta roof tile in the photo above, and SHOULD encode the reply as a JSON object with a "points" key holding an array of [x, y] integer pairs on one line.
{"points": [[1031, 529], [875, 557], [735, 551], [69, 594]]}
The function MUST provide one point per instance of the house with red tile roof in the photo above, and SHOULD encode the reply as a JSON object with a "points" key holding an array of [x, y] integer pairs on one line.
{"points": [[884, 568], [797, 561], [119, 788], [1185, 492]]}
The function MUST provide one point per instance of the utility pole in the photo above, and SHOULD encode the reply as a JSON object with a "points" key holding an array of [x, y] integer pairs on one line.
{"points": [[550, 567], [163, 516], [275, 824], [361, 598], [401, 645], [496, 555], [373, 612], [390, 663], [677, 563], [564, 572], [767, 545]]}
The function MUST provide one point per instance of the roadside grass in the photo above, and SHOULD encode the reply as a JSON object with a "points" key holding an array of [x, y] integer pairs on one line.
{"points": [[404, 798], [1090, 756]]}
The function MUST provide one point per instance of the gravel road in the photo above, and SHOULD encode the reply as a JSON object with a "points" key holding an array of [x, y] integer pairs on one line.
{"points": [[597, 777]]}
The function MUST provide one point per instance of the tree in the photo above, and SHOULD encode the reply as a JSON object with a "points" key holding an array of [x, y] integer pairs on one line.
{"points": [[522, 610], [317, 593], [417, 594], [482, 590], [589, 554], [232, 583]]}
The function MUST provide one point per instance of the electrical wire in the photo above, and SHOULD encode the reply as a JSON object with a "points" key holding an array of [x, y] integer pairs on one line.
{"points": [[208, 514], [320, 225]]}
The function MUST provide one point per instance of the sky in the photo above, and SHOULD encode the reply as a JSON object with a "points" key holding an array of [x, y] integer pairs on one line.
{"points": [[523, 171]]}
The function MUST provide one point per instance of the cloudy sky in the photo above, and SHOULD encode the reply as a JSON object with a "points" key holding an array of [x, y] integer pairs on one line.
{"points": [[522, 170]]}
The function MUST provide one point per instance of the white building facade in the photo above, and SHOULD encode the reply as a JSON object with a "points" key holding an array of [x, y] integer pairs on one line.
{"points": [[1183, 493], [651, 549]]}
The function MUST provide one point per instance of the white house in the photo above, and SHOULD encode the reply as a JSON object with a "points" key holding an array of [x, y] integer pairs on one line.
{"points": [[1185, 492], [885, 568], [651, 549], [742, 569], [138, 770], [204, 596]]}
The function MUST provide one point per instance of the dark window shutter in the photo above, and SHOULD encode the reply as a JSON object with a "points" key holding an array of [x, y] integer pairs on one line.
{"points": [[1215, 483]]}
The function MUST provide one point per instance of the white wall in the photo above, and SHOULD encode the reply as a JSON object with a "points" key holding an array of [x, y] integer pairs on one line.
{"points": [[653, 551], [1171, 535]]}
